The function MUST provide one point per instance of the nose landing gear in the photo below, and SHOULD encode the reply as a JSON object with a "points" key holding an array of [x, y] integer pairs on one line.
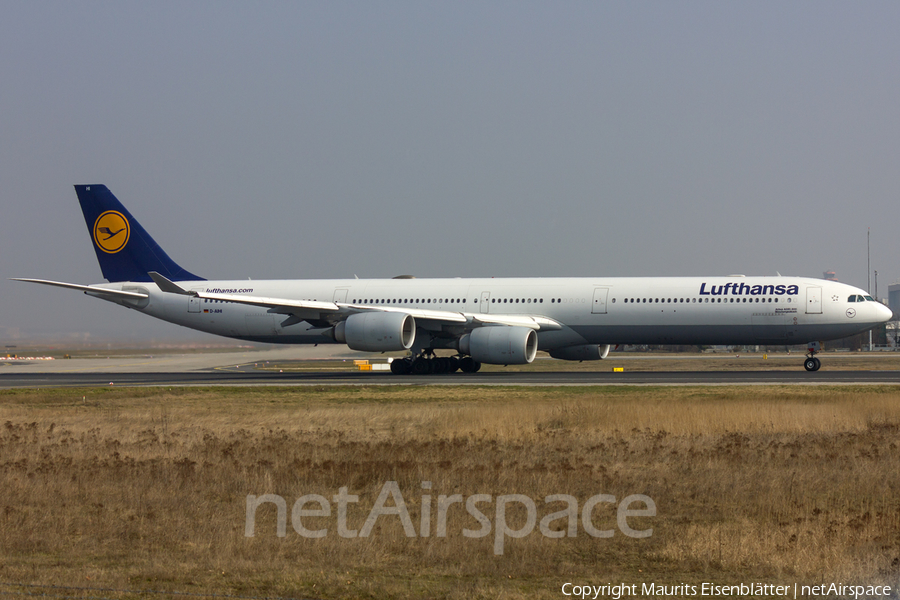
{"points": [[812, 363]]}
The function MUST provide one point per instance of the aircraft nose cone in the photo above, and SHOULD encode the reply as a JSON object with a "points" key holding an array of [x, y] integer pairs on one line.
{"points": [[884, 313]]}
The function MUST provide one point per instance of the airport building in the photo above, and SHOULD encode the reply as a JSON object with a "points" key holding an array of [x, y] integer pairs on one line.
{"points": [[894, 300]]}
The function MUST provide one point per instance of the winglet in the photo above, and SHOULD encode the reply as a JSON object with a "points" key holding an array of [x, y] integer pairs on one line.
{"points": [[168, 286]]}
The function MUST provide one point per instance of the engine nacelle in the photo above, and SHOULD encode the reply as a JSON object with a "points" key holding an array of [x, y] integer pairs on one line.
{"points": [[377, 331], [500, 345], [587, 352]]}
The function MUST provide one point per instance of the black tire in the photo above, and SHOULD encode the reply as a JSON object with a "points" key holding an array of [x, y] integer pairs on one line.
{"points": [[420, 366], [400, 366], [810, 364], [454, 364], [818, 363], [477, 367], [467, 364]]}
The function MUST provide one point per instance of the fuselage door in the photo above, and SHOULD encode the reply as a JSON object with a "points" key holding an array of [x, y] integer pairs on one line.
{"points": [[340, 295], [485, 302], [598, 306], [814, 300]]}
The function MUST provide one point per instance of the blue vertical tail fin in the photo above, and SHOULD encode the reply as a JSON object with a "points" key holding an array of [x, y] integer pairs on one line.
{"points": [[125, 250]]}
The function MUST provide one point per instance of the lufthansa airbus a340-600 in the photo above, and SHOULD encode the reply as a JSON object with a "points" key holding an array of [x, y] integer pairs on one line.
{"points": [[493, 321]]}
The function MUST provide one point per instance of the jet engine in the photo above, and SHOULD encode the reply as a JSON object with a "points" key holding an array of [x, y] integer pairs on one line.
{"points": [[587, 352], [500, 345], [377, 331]]}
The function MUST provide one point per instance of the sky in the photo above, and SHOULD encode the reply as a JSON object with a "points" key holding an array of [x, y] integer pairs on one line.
{"points": [[445, 139]]}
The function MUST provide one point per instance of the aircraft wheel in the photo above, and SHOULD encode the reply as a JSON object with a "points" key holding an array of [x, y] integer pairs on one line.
{"points": [[400, 366], [467, 364], [812, 364], [440, 365], [818, 363], [420, 366], [454, 364], [477, 367]]}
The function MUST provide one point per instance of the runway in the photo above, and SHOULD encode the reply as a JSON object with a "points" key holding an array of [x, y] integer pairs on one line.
{"points": [[250, 376], [245, 368]]}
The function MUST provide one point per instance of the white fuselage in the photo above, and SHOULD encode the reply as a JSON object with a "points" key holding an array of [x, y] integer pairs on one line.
{"points": [[621, 310]]}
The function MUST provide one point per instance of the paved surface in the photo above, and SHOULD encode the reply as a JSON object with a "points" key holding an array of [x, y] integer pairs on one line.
{"points": [[250, 376], [240, 368], [179, 363]]}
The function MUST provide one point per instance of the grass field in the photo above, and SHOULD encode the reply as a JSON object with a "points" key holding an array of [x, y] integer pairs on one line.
{"points": [[147, 488]]}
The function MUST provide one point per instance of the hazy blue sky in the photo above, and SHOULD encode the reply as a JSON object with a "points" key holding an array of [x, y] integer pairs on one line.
{"points": [[294, 140]]}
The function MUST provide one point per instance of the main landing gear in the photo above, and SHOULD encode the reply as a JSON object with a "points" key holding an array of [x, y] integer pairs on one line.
{"points": [[429, 364], [812, 363]]}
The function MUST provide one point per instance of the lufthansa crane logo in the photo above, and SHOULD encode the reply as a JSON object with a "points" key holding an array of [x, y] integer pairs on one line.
{"points": [[111, 231]]}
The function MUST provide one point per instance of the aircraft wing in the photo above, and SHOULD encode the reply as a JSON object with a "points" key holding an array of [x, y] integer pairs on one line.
{"points": [[535, 322], [333, 312]]}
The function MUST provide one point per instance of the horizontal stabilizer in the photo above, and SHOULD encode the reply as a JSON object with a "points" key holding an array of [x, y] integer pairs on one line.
{"points": [[87, 289]]}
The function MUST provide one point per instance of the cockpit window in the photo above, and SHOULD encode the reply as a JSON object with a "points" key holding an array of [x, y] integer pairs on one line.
{"points": [[870, 298], [851, 299]]}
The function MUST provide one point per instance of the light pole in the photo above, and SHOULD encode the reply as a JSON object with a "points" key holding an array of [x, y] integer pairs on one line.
{"points": [[869, 273]]}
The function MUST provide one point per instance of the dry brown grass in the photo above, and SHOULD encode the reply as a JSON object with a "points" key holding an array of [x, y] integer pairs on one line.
{"points": [[144, 488]]}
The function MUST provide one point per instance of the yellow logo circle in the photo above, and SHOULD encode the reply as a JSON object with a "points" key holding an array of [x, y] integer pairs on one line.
{"points": [[111, 231]]}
